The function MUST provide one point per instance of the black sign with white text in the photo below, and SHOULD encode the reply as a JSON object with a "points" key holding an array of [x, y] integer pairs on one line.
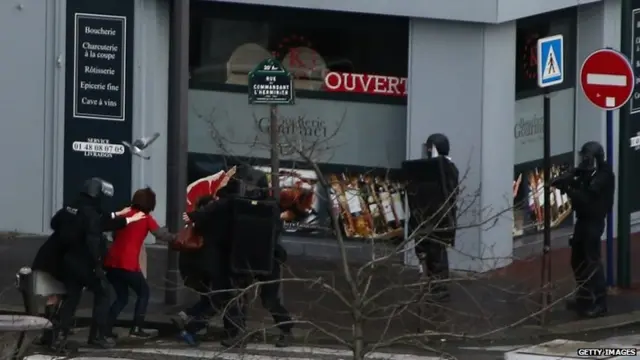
{"points": [[100, 61], [635, 61], [98, 96], [632, 136]]}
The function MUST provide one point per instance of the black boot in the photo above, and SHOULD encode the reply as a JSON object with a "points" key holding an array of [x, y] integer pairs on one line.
{"points": [[100, 340], [62, 346], [285, 339], [48, 338], [594, 311]]}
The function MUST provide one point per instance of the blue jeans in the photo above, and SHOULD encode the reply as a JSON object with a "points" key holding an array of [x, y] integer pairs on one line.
{"points": [[123, 280]]}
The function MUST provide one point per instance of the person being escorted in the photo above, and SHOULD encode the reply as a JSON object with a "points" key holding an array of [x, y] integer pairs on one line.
{"points": [[236, 226], [82, 265], [590, 187], [122, 263]]}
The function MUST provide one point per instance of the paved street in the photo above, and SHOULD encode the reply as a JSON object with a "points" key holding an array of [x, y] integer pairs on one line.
{"points": [[163, 349], [169, 347], [491, 302]]}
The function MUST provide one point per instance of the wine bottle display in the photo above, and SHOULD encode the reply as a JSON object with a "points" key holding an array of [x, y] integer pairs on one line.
{"points": [[559, 202], [387, 205], [368, 207], [378, 223], [358, 211], [338, 192], [397, 197]]}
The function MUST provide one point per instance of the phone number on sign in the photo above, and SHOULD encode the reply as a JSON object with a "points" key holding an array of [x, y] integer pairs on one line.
{"points": [[96, 147], [601, 352]]}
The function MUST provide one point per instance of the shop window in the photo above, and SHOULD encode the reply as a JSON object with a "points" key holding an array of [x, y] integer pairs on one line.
{"points": [[528, 177], [330, 54], [529, 30]]}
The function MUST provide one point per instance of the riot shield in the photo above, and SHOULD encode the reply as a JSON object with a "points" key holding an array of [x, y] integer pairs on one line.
{"points": [[254, 232], [432, 186]]}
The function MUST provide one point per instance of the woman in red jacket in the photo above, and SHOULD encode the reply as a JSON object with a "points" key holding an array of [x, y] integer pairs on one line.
{"points": [[122, 263]]}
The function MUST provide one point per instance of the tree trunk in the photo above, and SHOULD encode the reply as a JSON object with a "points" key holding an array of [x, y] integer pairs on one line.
{"points": [[358, 340]]}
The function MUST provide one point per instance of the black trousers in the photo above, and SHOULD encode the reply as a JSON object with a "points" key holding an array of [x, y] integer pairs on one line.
{"points": [[436, 262], [74, 287], [123, 280], [271, 300], [219, 297], [587, 265]]}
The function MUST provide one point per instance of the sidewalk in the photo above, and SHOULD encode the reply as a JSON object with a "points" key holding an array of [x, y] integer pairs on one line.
{"points": [[497, 305]]}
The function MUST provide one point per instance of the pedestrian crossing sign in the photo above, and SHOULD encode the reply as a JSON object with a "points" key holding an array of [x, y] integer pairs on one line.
{"points": [[550, 61]]}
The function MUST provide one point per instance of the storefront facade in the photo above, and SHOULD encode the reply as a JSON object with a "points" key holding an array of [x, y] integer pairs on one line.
{"points": [[369, 89]]}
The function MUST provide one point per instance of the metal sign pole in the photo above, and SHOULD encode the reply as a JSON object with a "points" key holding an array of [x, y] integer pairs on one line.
{"points": [[546, 258], [550, 72], [275, 153], [610, 276], [271, 84]]}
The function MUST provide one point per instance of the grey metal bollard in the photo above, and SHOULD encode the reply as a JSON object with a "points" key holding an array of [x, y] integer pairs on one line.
{"points": [[25, 283]]}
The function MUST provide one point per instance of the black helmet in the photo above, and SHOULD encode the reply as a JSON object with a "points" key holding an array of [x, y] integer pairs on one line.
{"points": [[591, 156], [439, 142], [96, 188]]}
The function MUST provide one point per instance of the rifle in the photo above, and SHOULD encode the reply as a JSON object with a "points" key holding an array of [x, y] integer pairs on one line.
{"points": [[565, 180]]}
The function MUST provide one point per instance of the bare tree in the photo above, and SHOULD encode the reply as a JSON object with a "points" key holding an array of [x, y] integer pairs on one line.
{"points": [[380, 302]]}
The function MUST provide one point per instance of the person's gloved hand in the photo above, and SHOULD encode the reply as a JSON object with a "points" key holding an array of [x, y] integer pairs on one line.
{"points": [[135, 217], [421, 255]]}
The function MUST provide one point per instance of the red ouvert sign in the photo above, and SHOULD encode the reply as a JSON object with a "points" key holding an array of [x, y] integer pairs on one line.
{"points": [[607, 79], [365, 84]]}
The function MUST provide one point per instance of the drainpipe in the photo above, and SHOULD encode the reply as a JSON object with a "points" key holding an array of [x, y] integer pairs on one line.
{"points": [[177, 136]]}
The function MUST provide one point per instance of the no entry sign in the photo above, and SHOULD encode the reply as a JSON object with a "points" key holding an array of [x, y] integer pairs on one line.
{"points": [[607, 79]]}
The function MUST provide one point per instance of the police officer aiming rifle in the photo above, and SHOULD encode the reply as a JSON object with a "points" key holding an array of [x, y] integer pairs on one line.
{"points": [[590, 187]]}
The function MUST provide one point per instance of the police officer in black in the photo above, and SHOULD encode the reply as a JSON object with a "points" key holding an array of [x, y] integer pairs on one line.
{"points": [[80, 226], [590, 187], [433, 251], [50, 257]]}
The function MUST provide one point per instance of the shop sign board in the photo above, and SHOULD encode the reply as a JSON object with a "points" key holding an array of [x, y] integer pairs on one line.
{"points": [[270, 83], [98, 96], [100, 61]]}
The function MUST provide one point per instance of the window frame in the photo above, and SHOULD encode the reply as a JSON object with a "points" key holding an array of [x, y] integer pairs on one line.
{"points": [[201, 10]]}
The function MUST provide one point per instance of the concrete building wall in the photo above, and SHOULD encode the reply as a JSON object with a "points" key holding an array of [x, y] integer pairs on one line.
{"points": [[29, 65], [462, 84], [32, 102], [598, 27], [151, 90], [484, 11]]}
